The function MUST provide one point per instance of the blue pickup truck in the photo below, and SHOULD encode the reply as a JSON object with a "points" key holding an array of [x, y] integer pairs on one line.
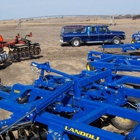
{"points": [[77, 34]]}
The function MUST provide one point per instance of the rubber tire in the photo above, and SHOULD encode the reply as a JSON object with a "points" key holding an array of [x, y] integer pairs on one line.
{"points": [[75, 43], [123, 124], [118, 39], [133, 41], [88, 67]]}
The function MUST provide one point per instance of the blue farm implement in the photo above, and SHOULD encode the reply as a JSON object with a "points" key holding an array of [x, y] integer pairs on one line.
{"points": [[18, 48], [115, 62], [61, 106]]}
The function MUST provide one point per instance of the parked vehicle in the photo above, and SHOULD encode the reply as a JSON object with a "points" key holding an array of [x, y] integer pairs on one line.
{"points": [[136, 37], [77, 34], [18, 48]]}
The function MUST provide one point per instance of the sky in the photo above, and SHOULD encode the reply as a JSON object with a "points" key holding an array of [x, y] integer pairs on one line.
{"points": [[12, 9]]}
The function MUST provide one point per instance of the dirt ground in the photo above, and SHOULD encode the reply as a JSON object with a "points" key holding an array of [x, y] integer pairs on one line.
{"points": [[47, 32], [68, 59]]}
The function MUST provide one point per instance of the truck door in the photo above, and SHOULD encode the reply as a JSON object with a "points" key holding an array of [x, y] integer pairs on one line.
{"points": [[110, 36], [103, 34], [93, 35]]}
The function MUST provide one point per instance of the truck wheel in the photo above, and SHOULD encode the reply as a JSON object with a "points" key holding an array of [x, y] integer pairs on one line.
{"points": [[75, 43], [123, 124], [117, 40]]}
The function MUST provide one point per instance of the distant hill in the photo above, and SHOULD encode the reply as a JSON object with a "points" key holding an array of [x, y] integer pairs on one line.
{"points": [[123, 16]]}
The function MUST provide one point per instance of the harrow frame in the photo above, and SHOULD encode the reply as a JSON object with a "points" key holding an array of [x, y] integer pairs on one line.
{"points": [[52, 98]]}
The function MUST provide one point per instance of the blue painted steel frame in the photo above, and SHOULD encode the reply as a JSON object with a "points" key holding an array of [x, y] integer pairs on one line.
{"points": [[77, 94], [113, 61]]}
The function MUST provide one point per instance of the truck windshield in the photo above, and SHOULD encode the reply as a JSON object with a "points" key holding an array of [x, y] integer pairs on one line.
{"points": [[74, 29]]}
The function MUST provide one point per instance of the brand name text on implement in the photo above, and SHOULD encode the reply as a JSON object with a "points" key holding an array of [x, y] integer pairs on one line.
{"points": [[81, 133]]}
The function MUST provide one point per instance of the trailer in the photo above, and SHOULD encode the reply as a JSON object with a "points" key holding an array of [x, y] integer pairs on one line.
{"points": [[60, 106]]}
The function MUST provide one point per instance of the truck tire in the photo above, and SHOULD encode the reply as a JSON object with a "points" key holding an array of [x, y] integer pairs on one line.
{"points": [[116, 40], [123, 124], [75, 43]]}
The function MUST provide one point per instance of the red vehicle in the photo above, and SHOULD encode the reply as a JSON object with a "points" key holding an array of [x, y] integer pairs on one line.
{"points": [[3, 54], [18, 48]]}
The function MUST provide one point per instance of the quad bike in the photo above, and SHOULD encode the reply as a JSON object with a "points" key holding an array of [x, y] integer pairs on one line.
{"points": [[18, 48]]}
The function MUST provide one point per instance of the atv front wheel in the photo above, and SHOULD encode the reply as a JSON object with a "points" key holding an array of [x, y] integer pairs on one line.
{"points": [[116, 40]]}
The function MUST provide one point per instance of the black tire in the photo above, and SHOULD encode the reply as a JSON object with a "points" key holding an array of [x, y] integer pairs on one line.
{"points": [[11, 55], [37, 50], [75, 43], [116, 40], [123, 124]]}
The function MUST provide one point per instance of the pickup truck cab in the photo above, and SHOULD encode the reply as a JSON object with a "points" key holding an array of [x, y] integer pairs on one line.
{"points": [[77, 34]]}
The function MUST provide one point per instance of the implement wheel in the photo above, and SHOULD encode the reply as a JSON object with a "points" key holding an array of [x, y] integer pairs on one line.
{"points": [[133, 41], [122, 123], [88, 67]]}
